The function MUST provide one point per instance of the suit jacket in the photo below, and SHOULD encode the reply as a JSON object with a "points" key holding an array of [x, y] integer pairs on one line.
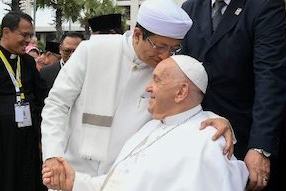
{"points": [[245, 60], [50, 72]]}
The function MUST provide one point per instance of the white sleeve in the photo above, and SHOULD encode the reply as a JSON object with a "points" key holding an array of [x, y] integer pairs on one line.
{"points": [[221, 173], [66, 89], [212, 115], [87, 183]]}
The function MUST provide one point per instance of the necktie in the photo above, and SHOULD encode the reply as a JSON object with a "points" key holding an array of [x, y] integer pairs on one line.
{"points": [[218, 5]]}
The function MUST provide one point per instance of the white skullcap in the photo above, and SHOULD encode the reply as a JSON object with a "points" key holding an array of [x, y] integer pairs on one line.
{"points": [[193, 69], [165, 18]]}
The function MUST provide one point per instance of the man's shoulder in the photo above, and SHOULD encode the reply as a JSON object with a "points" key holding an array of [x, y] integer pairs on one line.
{"points": [[28, 59], [187, 4], [97, 40], [50, 68], [193, 126]]}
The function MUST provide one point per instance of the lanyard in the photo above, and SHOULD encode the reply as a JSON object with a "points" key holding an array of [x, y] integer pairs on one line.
{"points": [[16, 79]]}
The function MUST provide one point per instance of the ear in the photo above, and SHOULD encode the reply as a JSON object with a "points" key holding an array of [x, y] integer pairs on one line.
{"points": [[182, 93], [137, 35], [6, 31]]}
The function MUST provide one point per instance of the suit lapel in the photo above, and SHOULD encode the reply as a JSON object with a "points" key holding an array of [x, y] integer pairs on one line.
{"points": [[58, 66], [204, 17], [228, 21]]}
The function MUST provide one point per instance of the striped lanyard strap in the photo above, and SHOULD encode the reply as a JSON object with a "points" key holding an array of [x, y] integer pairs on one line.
{"points": [[16, 79]]}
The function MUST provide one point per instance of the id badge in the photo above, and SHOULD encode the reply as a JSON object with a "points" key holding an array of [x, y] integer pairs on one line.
{"points": [[26, 112], [19, 113]]}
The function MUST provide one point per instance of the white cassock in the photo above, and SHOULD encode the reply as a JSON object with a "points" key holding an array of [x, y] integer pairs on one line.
{"points": [[172, 155], [62, 128]]}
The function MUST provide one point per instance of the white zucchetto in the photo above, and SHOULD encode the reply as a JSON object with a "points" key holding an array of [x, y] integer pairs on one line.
{"points": [[193, 69], [165, 18]]}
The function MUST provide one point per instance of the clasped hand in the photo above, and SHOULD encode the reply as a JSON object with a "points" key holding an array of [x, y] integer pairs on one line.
{"points": [[57, 174]]}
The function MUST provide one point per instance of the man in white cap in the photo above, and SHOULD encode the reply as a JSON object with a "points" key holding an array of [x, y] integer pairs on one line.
{"points": [[170, 152], [96, 102]]}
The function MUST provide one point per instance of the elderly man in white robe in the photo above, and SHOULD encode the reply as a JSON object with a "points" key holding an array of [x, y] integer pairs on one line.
{"points": [[96, 102], [170, 152]]}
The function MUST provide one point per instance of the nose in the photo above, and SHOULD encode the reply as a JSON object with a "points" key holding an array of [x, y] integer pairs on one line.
{"points": [[149, 87]]}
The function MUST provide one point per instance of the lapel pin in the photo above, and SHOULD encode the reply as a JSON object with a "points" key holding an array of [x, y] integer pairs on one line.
{"points": [[238, 11]]}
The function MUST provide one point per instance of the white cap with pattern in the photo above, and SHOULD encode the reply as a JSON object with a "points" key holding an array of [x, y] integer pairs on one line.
{"points": [[165, 18]]}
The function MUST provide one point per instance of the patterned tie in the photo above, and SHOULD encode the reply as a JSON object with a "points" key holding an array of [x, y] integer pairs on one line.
{"points": [[218, 5]]}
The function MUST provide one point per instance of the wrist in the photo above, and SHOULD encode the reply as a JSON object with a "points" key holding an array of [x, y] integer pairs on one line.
{"points": [[262, 152]]}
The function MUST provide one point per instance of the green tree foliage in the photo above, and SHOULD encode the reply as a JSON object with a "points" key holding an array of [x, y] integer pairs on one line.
{"points": [[97, 8], [65, 10], [79, 10]]}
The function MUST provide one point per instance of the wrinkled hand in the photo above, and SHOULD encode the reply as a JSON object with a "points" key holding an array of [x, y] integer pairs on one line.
{"points": [[67, 181], [259, 168], [223, 128], [52, 172]]}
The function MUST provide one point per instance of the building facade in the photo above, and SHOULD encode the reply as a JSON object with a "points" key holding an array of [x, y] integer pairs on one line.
{"points": [[132, 7]]}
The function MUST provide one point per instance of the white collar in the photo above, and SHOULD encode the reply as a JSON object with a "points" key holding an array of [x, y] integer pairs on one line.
{"points": [[13, 56], [181, 117], [62, 63], [131, 52]]}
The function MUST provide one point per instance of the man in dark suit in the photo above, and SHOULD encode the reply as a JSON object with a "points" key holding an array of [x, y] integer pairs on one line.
{"points": [[68, 44], [245, 57]]}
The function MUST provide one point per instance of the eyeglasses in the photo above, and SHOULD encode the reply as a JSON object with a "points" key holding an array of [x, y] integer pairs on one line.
{"points": [[171, 49], [48, 53], [26, 35], [67, 51]]}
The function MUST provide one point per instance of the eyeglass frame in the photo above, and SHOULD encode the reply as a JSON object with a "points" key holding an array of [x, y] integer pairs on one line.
{"points": [[25, 35], [171, 49], [67, 51], [47, 53]]}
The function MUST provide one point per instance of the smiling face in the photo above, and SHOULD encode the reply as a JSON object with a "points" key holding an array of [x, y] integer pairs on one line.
{"points": [[68, 46], [149, 53], [164, 89], [16, 40]]}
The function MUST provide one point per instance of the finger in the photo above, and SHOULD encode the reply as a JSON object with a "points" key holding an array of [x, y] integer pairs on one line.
{"points": [[62, 181], [47, 182], [265, 181], [68, 170], [217, 134], [64, 163], [206, 123], [56, 178], [47, 175], [250, 186], [228, 148], [230, 153], [259, 184], [45, 170], [52, 179], [253, 178], [61, 160]]}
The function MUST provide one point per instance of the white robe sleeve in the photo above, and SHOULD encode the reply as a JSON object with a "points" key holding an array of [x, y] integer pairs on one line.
{"points": [[219, 172], [62, 96], [87, 183]]}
